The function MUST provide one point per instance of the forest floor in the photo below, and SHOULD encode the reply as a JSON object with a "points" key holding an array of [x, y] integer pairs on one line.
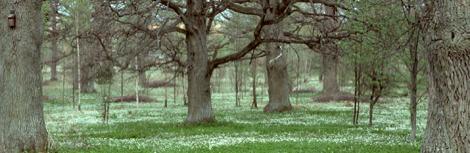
{"points": [[149, 127]]}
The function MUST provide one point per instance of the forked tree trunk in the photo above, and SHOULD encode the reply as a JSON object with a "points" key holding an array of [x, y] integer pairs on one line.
{"points": [[278, 78], [22, 127], [199, 74], [448, 127]]}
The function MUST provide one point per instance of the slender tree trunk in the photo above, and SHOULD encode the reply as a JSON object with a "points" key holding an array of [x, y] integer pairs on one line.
{"points": [[254, 70], [22, 127], [278, 79], [371, 113], [448, 42], [175, 91], [122, 83], [136, 87], [413, 85], [237, 84], [199, 74], [54, 38], [183, 85], [79, 63], [357, 92], [166, 93]]}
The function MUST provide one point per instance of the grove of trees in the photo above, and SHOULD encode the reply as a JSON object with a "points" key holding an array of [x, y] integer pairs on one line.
{"points": [[360, 51]]}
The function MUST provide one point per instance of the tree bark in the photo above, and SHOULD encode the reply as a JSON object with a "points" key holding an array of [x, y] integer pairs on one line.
{"points": [[371, 113], [254, 76], [413, 87], [54, 38], [199, 73], [237, 83], [276, 65], [448, 128], [22, 127], [330, 62], [278, 78], [87, 78]]}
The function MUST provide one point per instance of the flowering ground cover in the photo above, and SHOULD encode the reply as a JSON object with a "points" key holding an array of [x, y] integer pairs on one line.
{"points": [[310, 127]]}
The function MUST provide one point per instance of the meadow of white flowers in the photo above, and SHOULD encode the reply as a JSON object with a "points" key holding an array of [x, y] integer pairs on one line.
{"points": [[391, 115]]}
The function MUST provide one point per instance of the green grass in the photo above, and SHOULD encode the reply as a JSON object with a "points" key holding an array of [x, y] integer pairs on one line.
{"points": [[310, 127]]}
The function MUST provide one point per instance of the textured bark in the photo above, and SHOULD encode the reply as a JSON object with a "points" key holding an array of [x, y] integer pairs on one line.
{"points": [[276, 65], [254, 76], [199, 74], [22, 127], [413, 86], [278, 78], [330, 57], [330, 62], [54, 38], [448, 128]]}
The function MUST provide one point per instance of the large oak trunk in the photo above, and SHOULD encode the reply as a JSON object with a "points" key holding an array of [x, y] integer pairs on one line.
{"points": [[87, 65], [448, 128], [22, 127], [330, 54], [330, 62], [278, 78], [87, 79], [199, 74]]}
